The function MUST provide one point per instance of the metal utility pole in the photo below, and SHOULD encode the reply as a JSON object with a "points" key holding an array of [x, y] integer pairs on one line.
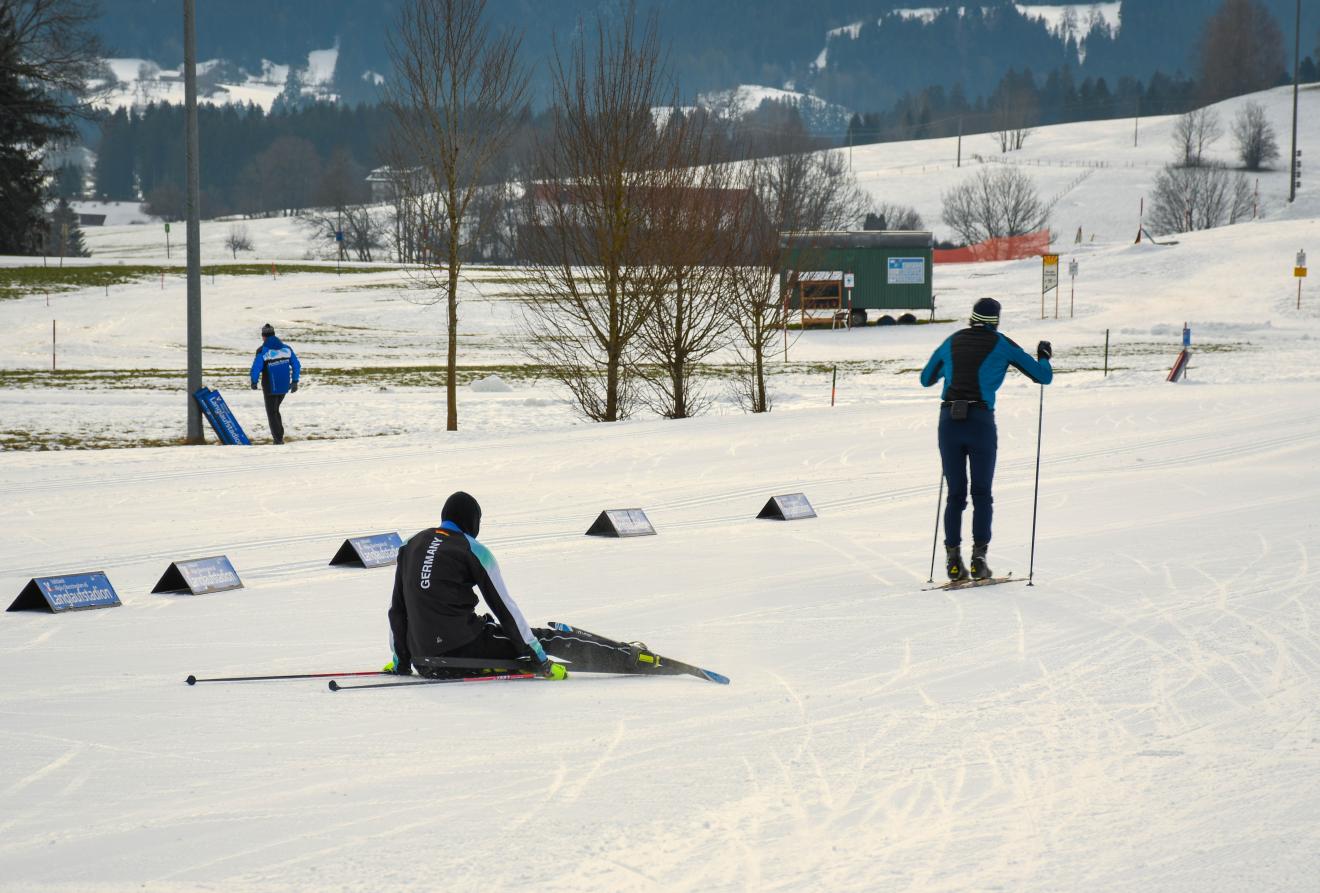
{"points": [[1297, 52], [194, 231], [960, 141]]}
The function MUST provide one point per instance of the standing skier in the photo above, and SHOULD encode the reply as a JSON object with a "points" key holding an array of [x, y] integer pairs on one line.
{"points": [[279, 370], [973, 362], [432, 612]]}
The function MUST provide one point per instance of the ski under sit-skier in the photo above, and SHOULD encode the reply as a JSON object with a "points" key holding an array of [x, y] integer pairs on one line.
{"points": [[973, 362], [277, 367], [433, 611]]}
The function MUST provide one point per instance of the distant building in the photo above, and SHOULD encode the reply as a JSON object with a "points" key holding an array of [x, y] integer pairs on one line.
{"points": [[91, 220], [388, 183]]}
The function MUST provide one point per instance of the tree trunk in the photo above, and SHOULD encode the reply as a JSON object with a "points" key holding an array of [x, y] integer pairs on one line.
{"points": [[680, 356], [451, 365], [758, 398]]}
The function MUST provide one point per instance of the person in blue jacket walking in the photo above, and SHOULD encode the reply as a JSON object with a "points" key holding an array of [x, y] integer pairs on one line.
{"points": [[973, 362], [277, 367]]}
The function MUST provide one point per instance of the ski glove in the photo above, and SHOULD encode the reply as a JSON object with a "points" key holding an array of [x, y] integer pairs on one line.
{"points": [[1044, 351], [390, 667], [294, 387], [254, 385]]}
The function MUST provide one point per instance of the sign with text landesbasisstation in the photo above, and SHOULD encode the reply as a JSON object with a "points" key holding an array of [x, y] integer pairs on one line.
{"points": [[73, 592], [199, 576], [378, 550]]}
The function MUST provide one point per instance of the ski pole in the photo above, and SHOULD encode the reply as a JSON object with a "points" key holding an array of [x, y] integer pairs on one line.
{"points": [[193, 680], [935, 537], [1035, 497], [505, 677]]}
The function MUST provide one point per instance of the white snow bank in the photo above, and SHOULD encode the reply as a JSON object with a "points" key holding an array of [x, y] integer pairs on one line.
{"points": [[491, 384]]}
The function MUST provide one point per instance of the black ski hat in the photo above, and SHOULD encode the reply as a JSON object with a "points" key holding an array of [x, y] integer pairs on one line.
{"points": [[267, 330], [464, 511], [985, 312]]}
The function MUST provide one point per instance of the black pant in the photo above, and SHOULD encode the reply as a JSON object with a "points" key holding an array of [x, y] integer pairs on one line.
{"points": [[581, 651], [273, 402], [972, 441]]}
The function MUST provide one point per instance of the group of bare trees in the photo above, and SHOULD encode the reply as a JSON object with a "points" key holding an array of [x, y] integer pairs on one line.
{"points": [[1198, 192], [644, 248], [1203, 197], [647, 253]]}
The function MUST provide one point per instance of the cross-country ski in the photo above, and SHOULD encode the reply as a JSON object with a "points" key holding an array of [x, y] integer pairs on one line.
{"points": [[970, 583]]}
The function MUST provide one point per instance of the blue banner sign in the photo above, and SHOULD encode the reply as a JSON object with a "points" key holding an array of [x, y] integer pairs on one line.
{"points": [[789, 507], [223, 423], [199, 576], [369, 551], [74, 592]]}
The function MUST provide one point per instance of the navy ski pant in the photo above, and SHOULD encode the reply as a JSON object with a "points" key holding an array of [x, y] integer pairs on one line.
{"points": [[973, 442], [273, 402], [581, 650]]}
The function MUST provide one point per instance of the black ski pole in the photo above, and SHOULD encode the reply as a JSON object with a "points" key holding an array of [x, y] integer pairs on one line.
{"points": [[503, 677], [193, 680], [1035, 497], [935, 538]]}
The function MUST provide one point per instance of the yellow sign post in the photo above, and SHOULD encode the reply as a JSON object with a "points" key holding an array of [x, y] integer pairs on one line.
{"points": [[1299, 271], [1049, 279]]}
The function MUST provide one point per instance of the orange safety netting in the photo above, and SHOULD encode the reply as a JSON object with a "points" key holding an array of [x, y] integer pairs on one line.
{"points": [[1005, 248]]}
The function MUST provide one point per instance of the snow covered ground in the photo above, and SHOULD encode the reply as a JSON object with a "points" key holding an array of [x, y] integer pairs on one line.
{"points": [[1146, 716]]}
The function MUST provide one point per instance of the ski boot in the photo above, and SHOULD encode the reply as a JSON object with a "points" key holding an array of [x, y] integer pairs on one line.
{"points": [[980, 570], [953, 563]]}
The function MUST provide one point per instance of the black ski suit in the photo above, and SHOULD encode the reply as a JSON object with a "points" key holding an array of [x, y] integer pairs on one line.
{"points": [[433, 611]]}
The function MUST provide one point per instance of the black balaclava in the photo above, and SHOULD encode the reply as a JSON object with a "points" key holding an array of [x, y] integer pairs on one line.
{"points": [[464, 511]]}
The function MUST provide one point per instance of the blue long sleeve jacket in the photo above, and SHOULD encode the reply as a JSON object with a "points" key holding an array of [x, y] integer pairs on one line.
{"points": [[974, 361], [276, 365]]}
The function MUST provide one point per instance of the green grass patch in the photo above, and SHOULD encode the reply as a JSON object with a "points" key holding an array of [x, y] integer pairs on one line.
{"points": [[15, 282]]}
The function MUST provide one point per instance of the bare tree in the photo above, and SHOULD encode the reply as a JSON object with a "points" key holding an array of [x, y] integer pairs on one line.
{"points": [[797, 193], [994, 203], [692, 223], [364, 232], [1195, 198], [455, 94], [589, 237], [1194, 133], [1241, 50], [282, 179], [238, 239], [1257, 145], [1014, 108], [57, 49], [363, 228], [889, 216], [342, 183]]}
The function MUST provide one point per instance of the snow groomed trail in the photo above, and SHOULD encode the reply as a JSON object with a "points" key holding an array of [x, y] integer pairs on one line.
{"points": [[1144, 717]]}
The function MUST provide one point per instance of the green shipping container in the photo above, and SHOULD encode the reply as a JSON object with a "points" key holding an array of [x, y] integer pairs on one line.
{"points": [[891, 271]]}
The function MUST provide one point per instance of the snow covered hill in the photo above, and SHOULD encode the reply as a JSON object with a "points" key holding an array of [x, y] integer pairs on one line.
{"points": [[137, 83], [1145, 716]]}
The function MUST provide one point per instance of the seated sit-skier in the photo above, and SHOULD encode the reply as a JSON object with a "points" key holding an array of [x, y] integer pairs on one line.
{"points": [[973, 362], [432, 613]]}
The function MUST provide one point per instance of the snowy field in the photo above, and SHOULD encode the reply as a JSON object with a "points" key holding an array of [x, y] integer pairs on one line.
{"points": [[1146, 716]]}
